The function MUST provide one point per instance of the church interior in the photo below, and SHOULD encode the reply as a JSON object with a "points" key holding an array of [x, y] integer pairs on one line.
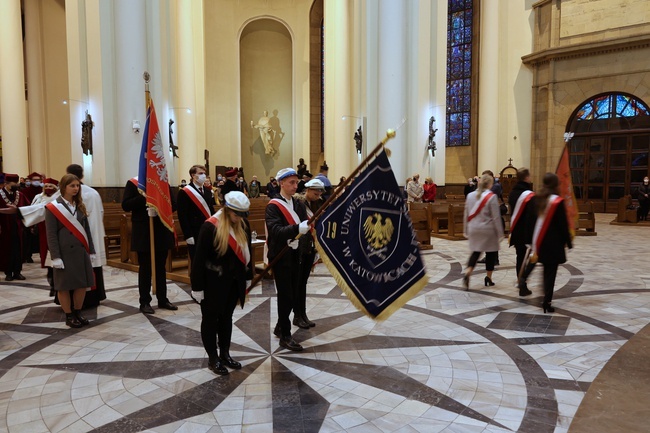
{"points": [[467, 86]]}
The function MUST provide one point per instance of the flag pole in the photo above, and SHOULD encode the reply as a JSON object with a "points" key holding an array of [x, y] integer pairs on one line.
{"points": [[339, 189], [152, 242]]}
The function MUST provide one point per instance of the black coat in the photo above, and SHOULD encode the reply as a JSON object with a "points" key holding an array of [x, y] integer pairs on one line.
{"points": [[523, 231], [215, 275], [190, 216], [556, 238], [280, 231], [227, 187], [136, 203]]}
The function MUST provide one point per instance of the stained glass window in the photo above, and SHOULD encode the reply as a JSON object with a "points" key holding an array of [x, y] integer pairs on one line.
{"points": [[610, 112], [459, 72]]}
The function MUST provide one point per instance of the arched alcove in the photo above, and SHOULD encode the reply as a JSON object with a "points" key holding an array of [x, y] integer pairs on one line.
{"points": [[609, 149], [265, 56]]}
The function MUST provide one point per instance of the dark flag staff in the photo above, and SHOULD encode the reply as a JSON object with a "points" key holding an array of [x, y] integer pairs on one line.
{"points": [[366, 239]]}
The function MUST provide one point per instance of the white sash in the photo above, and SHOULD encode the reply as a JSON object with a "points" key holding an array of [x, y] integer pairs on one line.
{"points": [[478, 206], [65, 213], [286, 210], [540, 222], [196, 195], [518, 206]]}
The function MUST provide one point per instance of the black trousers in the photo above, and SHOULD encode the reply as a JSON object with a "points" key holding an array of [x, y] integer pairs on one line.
{"points": [[490, 259], [15, 258], [642, 211], [300, 303], [216, 319], [287, 281], [550, 272], [144, 276]]}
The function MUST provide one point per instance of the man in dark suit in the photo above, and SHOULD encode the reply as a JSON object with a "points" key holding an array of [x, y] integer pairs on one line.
{"points": [[522, 224], [136, 203], [195, 205], [286, 217]]}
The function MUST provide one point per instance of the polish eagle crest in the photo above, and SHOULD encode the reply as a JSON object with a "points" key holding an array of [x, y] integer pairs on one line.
{"points": [[378, 233]]}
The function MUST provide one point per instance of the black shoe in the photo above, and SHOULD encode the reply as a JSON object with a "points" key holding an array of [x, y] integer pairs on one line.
{"points": [[300, 322], [276, 331], [523, 289], [80, 318], [72, 321], [547, 307], [9, 278], [290, 343], [488, 281], [146, 309], [29, 260], [215, 365], [19, 277], [167, 306], [228, 361], [307, 321], [466, 282]]}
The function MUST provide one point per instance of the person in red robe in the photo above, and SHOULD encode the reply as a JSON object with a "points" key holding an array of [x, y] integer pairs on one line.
{"points": [[11, 229]]}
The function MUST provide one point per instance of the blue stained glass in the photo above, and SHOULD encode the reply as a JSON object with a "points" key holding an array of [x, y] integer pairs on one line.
{"points": [[459, 71]]}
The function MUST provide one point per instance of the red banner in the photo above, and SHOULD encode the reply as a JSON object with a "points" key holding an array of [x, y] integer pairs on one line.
{"points": [[566, 191], [153, 178]]}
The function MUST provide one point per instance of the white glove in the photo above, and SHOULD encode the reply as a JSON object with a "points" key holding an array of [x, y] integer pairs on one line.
{"points": [[303, 227], [152, 212], [93, 257], [248, 283], [198, 296], [293, 243], [57, 264], [190, 241]]}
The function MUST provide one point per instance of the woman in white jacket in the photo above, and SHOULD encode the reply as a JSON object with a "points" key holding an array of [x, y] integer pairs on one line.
{"points": [[483, 228]]}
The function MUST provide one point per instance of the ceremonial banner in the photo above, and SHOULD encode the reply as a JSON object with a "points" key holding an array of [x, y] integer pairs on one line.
{"points": [[367, 241], [153, 178], [563, 173]]}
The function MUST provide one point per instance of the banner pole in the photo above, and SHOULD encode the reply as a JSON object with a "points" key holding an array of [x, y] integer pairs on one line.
{"points": [[152, 242], [339, 189]]}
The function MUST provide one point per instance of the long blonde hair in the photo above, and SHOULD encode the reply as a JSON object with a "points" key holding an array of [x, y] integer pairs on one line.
{"points": [[222, 233], [484, 183], [77, 200]]}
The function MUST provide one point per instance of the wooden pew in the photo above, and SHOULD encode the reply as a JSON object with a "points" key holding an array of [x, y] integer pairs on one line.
{"points": [[455, 198], [439, 221], [112, 222], [420, 216], [586, 220], [625, 215], [455, 216]]}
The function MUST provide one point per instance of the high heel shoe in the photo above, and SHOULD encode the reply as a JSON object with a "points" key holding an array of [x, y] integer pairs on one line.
{"points": [[488, 281], [547, 307], [466, 282]]}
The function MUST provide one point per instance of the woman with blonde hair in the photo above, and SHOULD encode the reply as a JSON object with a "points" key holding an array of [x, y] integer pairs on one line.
{"points": [[221, 269], [71, 248], [483, 228]]}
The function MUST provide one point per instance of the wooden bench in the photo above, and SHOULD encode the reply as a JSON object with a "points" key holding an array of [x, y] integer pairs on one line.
{"points": [[455, 198], [455, 217], [625, 215], [586, 220], [439, 221], [420, 217], [112, 222]]}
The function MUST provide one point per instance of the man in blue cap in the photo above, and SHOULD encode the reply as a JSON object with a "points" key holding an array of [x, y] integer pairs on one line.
{"points": [[286, 218]]}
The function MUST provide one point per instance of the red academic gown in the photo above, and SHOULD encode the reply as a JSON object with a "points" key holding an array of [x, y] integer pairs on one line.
{"points": [[11, 231]]}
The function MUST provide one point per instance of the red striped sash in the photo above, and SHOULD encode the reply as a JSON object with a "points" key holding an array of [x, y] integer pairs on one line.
{"points": [[544, 221], [479, 206], [289, 214], [70, 222], [523, 199], [197, 199], [243, 255]]}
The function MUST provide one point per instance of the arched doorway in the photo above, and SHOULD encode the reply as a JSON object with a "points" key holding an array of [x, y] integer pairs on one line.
{"points": [[609, 149]]}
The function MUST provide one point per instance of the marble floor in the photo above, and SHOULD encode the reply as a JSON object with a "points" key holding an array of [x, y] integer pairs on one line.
{"points": [[450, 360]]}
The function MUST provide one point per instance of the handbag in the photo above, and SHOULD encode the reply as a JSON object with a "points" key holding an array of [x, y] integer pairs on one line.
{"points": [[503, 208]]}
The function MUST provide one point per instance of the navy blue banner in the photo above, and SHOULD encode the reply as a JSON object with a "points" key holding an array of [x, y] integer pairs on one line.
{"points": [[367, 241]]}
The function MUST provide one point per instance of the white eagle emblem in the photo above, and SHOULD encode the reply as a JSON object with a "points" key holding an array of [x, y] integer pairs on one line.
{"points": [[159, 161]]}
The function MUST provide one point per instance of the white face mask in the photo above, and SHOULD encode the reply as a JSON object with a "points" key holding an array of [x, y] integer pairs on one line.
{"points": [[200, 178], [645, 181], [36, 183]]}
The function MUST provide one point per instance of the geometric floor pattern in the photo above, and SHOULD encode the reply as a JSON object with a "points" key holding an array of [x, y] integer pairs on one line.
{"points": [[485, 360]]}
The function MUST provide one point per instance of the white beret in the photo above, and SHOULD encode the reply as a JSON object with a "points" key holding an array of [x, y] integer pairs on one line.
{"points": [[315, 184], [285, 172], [237, 201]]}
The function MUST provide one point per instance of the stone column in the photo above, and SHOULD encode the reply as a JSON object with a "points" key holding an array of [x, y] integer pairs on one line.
{"points": [[488, 108], [13, 111]]}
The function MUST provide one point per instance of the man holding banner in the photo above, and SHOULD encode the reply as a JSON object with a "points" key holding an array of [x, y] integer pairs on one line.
{"points": [[195, 206], [148, 198], [286, 218]]}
